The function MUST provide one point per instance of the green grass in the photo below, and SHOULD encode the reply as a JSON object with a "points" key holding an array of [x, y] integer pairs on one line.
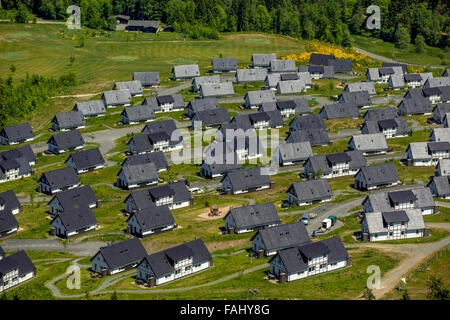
{"points": [[442, 216]]}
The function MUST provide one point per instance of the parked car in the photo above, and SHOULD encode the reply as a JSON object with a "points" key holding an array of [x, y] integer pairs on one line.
{"points": [[305, 218], [318, 232], [285, 204]]}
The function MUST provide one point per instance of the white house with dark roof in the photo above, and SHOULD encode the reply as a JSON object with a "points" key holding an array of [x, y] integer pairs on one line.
{"points": [[391, 128], [158, 158], [291, 153], [308, 260], [267, 242], [73, 199], [65, 142], [134, 86], [254, 99], [147, 79], [198, 81], [118, 257], [414, 106], [439, 112], [8, 224], [393, 225], [86, 161], [16, 269], [303, 193], [376, 176], [288, 108], [440, 135], [380, 114], [16, 163], [134, 115], [340, 110], [165, 103], [361, 98], [93, 108], [443, 167], [117, 98], [201, 104], [246, 180], [418, 198], [16, 134], [68, 121], [175, 195], [427, 153], [214, 167], [138, 176], [334, 165], [58, 180], [369, 143], [440, 186], [9, 202], [174, 263], [150, 221], [73, 222], [185, 72], [251, 218]]}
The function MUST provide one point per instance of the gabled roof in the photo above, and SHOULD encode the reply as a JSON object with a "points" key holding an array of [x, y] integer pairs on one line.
{"points": [[381, 113], [438, 146], [376, 224], [400, 124], [441, 109], [117, 97], [440, 134], [316, 136], [441, 184], [297, 151], [144, 23], [361, 86], [251, 75], [361, 98], [87, 158], [91, 108], [19, 261], [225, 64], [254, 215], [121, 254], [9, 201], [311, 121], [311, 190], [321, 162], [416, 105], [19, 132], [291, 86], [162, 262], [197, 105], [222, 164], [284, 236], [444, 166], [396, 81], [320, 59], [260, 96], [340, 110], [153, 217], [381, 201], [437, 82], [140, 173], [212, 117], [283, 66], [186, 71], [341, 65], [198, 81], [146, 78], [419, 150], [77, 218], [395, 64], [380, 174], [370, 142], [135, 86], [217, 89], [7, 222], [167, 126], [69, 119], [248, 178], [263, 60], [68, 139], [139, 113], [76, 197], [61, 178], [158, 158]]}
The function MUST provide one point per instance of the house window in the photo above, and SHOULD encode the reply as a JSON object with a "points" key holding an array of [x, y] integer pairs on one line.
{"points": [[417, 231], [376, 235], [391, 234], [403, 232], [312, 269], [403, 223]]}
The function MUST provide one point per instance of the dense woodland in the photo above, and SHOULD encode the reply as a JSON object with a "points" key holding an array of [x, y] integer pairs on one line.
{"points": [[402, 21]]}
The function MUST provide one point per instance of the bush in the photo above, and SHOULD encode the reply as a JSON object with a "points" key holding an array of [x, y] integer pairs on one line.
{"points": [[22, 14]]}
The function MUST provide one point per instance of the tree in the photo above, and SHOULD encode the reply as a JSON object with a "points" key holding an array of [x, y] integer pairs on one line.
{"points": [[111, 23], [437, 289], [22, 14], [420, 43], [263, 19], [114, 296], [402, 38], [405, 295], [347, 39]]}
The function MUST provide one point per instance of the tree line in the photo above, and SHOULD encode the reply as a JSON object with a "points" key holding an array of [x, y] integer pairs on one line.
{"points": [[402, 21]]}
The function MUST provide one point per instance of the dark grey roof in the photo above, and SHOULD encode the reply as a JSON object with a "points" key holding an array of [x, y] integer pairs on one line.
{"points": [[341, 65], [388, 123], [312, 121], [401, 196], [263, 60], [259, 116], [334, 158], [320, 59], [167, 126], [140, 173], [316, 136], [441, 184], [162, 262], [361, 98], [340, 110], [380, 174], [61, 178], [18, 260], [24, 152], [91, 108], [225, 64], [314, 250], [154, 217], [117, 97], [203, 104], [254, 215], [2, 252], [158, 158], [394, 64], [121, 254], [139, 113], [146, 78], [284, 236], [143, 198], [416, 106], [301, 105], [87, 158], [161, 192], [439, 146], [7, 222], [282, 66], [248, 178], [212, 117], [77, 218], [296, 151], [69, 120], [9, 200], [144, 23], [412, 77], [135, 86], [311, 190], [381, 114], [288, 76], [395, 216], [18, 133], [435, 91], [442, 109], [186, 71], [374, 126], [68, 139], [76, 198]]}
